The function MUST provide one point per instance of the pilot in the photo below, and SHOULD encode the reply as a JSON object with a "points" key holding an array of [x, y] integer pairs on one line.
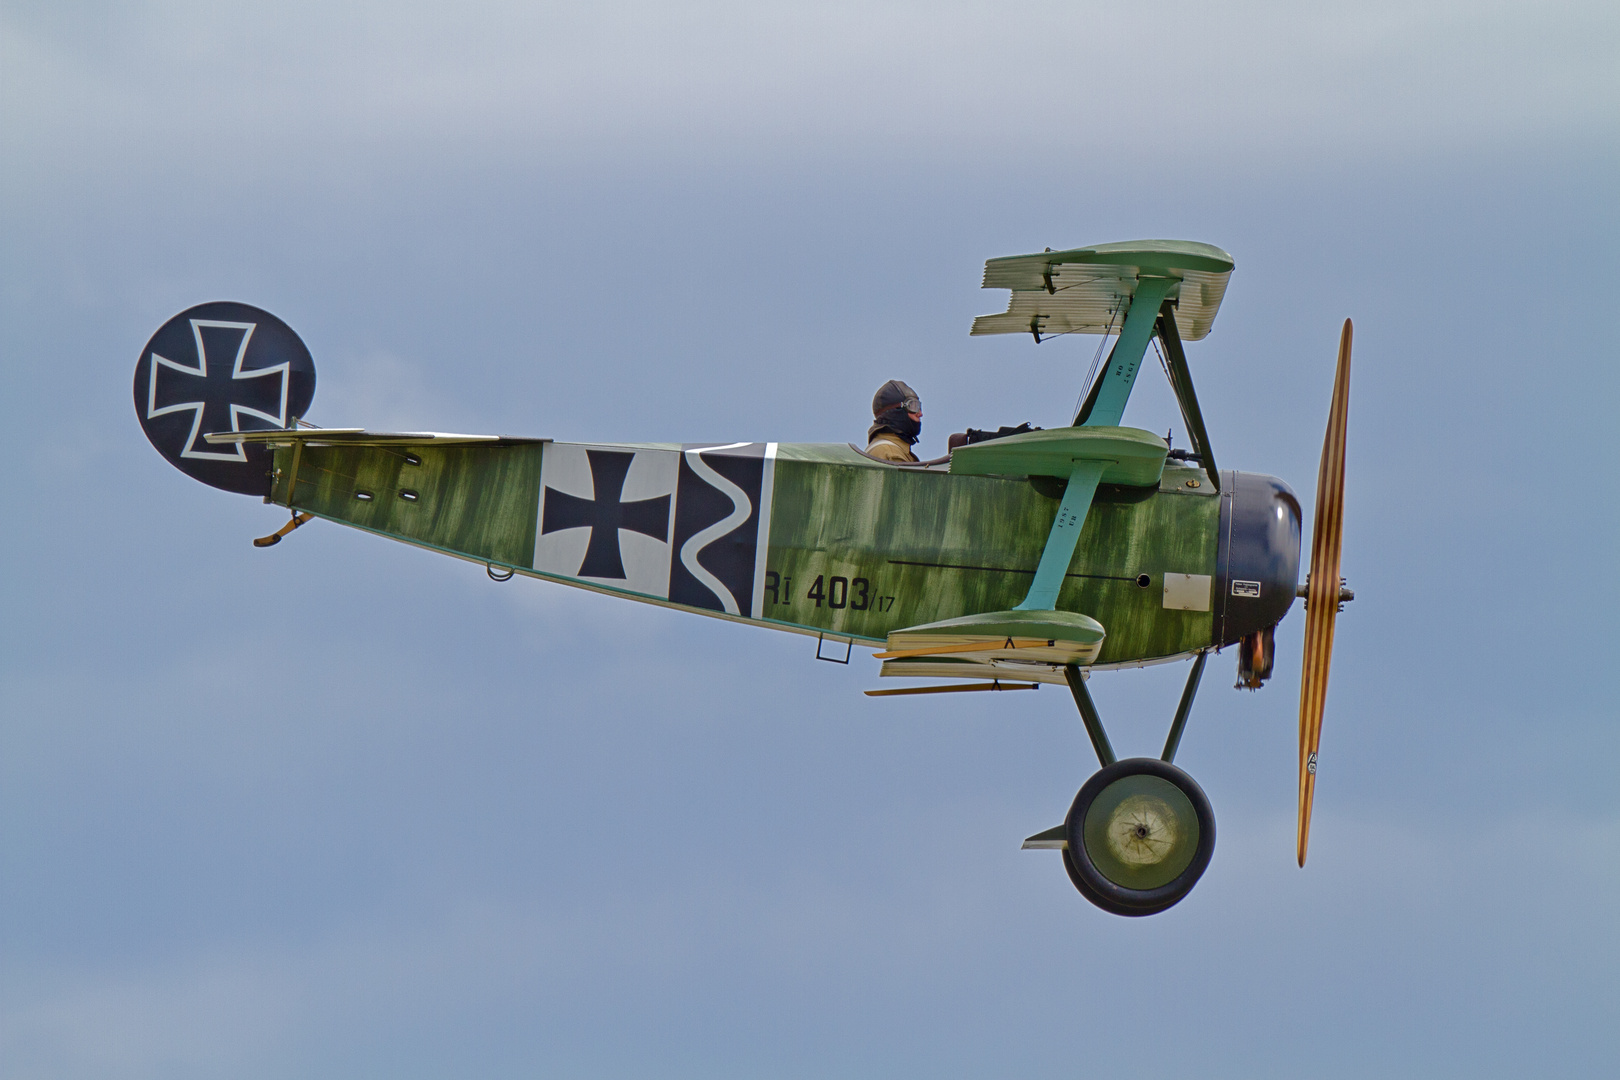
{"points": [[897, 422]]}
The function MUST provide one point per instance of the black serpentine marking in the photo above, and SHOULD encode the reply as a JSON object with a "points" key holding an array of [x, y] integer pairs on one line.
{"points": [[698, 505]]}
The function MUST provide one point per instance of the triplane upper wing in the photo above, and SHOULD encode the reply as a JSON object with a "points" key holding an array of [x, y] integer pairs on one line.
{"points": [[1087, 290], [1143, 289]]}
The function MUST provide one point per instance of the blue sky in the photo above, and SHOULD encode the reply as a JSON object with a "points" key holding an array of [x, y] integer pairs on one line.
{"points": [[347, 808]]}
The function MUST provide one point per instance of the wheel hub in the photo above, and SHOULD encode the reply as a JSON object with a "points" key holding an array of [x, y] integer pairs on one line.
{"points": [[1141, 832]]}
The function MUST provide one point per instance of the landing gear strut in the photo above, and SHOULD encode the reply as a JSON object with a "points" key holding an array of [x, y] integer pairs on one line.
{"points": [[1141, 831]]}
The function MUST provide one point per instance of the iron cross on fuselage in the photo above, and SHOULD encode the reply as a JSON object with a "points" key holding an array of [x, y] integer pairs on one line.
{"points": [[606, 514]]}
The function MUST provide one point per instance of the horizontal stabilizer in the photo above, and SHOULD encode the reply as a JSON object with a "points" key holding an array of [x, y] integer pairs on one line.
{"points": [[360, 437], [1088, 290]]}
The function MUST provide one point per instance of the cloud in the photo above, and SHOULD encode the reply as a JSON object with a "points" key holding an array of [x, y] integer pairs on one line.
{"points": [[346, 801], [549, 976], [304, 85], [158, 1020]]}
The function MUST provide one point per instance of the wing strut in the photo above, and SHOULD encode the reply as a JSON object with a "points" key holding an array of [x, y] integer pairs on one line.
{"points": [[1106, 402], [1181, 382], [1065, 534], [1103, 408]]}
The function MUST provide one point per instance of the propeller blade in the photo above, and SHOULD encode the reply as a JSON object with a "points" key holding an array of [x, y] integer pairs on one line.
{"points": [[1322, 591]]}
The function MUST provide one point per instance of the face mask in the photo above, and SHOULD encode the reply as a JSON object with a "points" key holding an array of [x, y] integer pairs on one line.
{"points": [[898, 421]]}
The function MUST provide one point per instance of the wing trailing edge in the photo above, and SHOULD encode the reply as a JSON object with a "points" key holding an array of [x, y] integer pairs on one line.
{"points": [[1088, 290]]}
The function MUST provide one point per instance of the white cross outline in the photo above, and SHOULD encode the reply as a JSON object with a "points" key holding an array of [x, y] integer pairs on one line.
{"points": [[236, 453]]}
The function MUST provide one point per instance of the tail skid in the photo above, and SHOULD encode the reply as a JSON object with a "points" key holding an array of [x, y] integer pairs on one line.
{"points": [[274, 538]]}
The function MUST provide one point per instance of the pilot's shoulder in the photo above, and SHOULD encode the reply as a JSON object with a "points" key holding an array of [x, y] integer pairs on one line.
{"points": [[889, 447]]}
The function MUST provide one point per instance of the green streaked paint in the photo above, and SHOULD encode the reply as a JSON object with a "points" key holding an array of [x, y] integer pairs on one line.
{"points": [[475, 501], [932, 546], [1130, 456], [1166, 257], [1066, 626], [926, 545], [1067, 526]]}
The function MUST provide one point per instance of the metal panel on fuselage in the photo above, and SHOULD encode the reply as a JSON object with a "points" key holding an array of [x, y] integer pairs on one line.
{"points": [[812, 538]]}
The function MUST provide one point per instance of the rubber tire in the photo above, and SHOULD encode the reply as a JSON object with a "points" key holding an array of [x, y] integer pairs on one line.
{"points": [[1116, 899]]}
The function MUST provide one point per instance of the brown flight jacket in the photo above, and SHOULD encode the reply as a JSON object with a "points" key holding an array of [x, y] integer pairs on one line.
{"points": [[890, 447]]}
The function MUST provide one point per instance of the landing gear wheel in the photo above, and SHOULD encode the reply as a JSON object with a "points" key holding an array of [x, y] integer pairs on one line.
{"points": [[1140, 834]]}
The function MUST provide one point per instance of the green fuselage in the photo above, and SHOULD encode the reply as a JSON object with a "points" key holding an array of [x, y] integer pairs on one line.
{"points": [[851, 547], [936, 546]]}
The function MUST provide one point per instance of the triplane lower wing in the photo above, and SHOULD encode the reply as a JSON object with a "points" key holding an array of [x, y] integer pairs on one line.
{"points": [[1038, 557]]}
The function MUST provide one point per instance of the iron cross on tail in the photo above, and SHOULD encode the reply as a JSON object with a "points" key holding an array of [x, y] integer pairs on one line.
{"points": [[1038, 557]]}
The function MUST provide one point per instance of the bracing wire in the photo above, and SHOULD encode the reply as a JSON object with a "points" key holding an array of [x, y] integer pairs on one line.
{"points": [[1096, 358], [1164, 365]]}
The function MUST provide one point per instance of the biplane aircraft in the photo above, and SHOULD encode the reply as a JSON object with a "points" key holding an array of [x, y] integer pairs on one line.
{"points": [[1043, 556]]}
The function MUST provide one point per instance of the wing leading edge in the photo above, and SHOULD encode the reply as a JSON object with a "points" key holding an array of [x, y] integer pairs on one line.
{"points": [[284, 437], [1087, 290]]}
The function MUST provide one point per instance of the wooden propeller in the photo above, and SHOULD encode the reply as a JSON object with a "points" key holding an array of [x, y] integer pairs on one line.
{"points": [[1322, 590]]}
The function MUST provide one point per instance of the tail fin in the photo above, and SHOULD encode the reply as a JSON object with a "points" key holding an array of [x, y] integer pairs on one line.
{"points": [[222, 367]]}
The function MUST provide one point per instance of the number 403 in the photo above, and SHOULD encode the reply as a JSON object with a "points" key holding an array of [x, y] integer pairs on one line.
{"points": [[835, 592]]}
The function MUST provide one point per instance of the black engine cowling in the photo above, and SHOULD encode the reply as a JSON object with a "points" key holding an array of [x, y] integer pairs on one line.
{"points": [[1258, 561]]}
